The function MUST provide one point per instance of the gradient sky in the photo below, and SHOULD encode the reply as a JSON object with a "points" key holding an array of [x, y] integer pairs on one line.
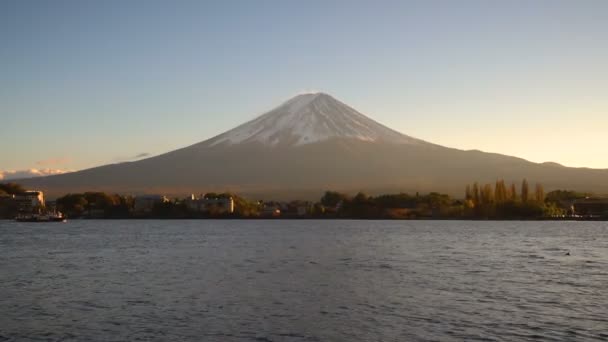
{"points": [[84, 83]]}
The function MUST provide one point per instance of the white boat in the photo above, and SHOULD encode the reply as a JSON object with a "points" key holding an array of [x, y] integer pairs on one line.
{"points": [[47, 217]]}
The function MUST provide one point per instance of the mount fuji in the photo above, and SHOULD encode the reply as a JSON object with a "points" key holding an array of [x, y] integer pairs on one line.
{"points": [[307, 119], [309, 144]]}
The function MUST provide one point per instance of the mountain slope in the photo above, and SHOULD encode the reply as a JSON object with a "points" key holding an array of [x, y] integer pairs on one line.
{"points": [[310, 118], [309, 144]]}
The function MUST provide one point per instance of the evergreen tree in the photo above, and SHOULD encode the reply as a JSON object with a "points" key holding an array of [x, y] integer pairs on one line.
{"points": [[332, 198], [11, 188], [487, 195], [513, 193], [476, 194], [539, 193], [524, 191], [500, 191]]}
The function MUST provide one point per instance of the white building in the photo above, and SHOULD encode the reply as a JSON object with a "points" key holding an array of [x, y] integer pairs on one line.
{"points": [[215, 205], [29, 201]]}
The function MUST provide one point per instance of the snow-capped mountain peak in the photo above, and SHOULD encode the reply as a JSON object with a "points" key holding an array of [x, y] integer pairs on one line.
{"points": [[310, 118]]}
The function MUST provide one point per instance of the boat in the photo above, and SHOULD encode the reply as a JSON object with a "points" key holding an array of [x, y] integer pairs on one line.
{"points": [[47, 217]]}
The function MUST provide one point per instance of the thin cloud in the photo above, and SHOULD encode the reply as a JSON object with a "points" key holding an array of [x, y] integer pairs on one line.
{"points": [[19, 174], [53, 161], [135, 157], [308, 92]]}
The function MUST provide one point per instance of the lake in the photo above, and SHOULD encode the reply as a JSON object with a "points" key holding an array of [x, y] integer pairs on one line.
{"points": [[303, 280]]}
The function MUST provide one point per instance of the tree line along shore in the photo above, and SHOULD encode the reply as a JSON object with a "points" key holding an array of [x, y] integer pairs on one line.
{"points": [[497, 201]]}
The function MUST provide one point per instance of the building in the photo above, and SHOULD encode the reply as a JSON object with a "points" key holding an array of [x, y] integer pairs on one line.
{"points": [[145, 204], [296, 208], [302, 210], [29, 201], [270, 210], [210, 205]]}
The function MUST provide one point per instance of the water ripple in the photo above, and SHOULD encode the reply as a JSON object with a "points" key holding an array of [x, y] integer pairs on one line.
{"points": [[303, 281]]}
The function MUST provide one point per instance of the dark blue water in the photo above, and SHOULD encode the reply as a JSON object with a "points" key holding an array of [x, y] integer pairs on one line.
{"points": [[303, 281]]}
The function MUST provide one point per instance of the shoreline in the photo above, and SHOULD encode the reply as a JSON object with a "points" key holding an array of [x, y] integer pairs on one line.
{"points": [[569, 219]]}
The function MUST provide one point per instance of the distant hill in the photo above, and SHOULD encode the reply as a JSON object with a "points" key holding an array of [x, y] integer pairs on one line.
{"points": [[309, 144]]}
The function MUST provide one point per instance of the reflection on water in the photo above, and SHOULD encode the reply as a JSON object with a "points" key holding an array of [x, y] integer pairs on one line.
{"points": [[303, 281]]}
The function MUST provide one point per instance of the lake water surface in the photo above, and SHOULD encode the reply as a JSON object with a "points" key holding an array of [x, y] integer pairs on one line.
{"points": [[289, 280]]}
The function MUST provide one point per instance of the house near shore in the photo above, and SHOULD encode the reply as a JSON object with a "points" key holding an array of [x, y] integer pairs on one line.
{"points": [[296, 209], [26, 202], [270, 209], [30, 201], [210, 205]]}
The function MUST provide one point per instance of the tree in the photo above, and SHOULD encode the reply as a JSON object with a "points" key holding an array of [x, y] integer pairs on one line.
{"points": [[245, 208], [99, 200], [500, 191], [396, 201], [513, 193], [539, 193], [437, 200], [558, 196], [487, 195], [524, 191], [12, 188], [332, 198], [72, 204], [361, 206], [476, 199]]}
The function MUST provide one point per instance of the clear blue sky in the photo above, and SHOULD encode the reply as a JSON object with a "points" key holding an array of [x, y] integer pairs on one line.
{"points": [[84, 83]]}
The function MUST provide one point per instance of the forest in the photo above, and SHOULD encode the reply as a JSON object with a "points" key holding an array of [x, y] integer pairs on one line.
{"points": [[480, 201]]}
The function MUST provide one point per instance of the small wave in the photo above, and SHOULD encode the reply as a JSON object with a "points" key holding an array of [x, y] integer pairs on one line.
{"points": [[263, 339], [535, 256]]}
